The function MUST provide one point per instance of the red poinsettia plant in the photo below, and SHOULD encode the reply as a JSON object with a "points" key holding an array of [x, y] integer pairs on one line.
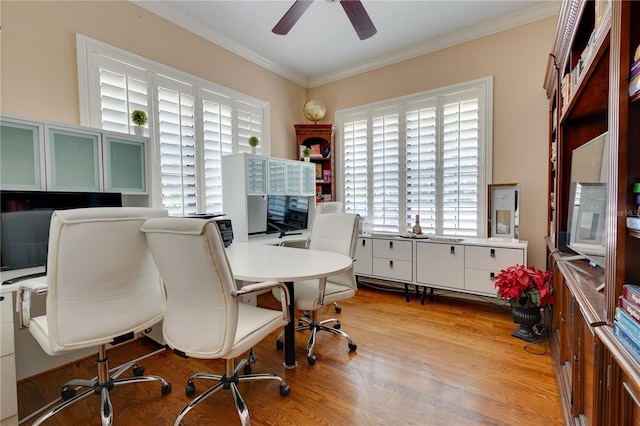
{"points": [[525, 287]]}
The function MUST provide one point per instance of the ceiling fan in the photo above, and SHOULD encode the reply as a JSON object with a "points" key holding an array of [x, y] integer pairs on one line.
{"points": [[354, 9]]}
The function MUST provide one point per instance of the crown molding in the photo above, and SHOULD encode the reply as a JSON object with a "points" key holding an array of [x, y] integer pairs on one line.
{"points": [[542, 11]]}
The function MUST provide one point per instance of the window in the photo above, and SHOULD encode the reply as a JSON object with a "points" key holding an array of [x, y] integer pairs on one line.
{"points": [[192, 122], [426, 154]]}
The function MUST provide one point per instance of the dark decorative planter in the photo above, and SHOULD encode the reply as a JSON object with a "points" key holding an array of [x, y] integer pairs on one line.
{"points": [[526, 318]]}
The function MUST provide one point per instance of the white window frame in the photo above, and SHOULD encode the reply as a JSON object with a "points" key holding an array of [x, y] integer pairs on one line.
{"points": [[88, 53], [485, 137]]}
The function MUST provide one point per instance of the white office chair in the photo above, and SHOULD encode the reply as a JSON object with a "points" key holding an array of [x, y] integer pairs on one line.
{"points": [[335, 232], [102, 287], [204, 317]]}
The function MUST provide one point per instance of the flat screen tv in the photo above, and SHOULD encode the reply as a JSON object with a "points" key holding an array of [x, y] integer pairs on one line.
{"points": [[286, 213], [25, 218], [588, 200]]}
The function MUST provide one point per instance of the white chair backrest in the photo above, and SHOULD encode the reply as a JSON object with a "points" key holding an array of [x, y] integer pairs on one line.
{"points": [[202, 314], [338, 233], [102, 280]]}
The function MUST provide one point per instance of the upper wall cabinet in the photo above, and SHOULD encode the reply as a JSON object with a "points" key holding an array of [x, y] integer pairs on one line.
{"points": [[125, 163], [75, 159], [22, 159], [54, 157]]}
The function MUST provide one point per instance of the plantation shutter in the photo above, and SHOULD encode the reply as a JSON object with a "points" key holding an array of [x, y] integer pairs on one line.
{"points": [[422, 180], [122, 88], [385, 170], [249, 123], [355, 166], [460, 165], [420, 155], [217, 141], [177, 141]]}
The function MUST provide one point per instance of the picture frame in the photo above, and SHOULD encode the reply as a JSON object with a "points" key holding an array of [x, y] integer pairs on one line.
{"points": [[504, 212]]}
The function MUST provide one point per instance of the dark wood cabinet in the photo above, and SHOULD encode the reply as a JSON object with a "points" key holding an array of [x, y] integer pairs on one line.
{"points": [[319, 138], [587, 82]]}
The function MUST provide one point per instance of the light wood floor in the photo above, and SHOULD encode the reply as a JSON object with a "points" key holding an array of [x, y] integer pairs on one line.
{"points": [[447, 362]]}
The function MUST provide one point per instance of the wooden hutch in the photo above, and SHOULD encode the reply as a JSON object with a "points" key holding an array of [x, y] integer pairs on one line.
{"points": [[319, 138], [587, 82]]}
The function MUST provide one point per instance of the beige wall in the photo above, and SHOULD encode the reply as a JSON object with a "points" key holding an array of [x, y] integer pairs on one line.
{"points": [[516, 59], [38, 78]]}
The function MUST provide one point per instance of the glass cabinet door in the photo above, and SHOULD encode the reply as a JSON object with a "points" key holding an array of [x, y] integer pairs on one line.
{"points": [[22, 159], [293, 178], [308, 179], [256, 176], [75, 159], [277, 176], [125, 163]]}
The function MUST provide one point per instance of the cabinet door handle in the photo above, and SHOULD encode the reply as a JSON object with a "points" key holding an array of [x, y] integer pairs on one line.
{"points": [[390, 244], [364, 243], [452, 250], [492, 276], [1, 298], [493, 253], [391, 264]]}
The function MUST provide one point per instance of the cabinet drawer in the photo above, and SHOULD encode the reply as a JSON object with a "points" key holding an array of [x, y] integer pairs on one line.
{"points": [[480, 281], [393, 269], [6, 339], [393, 249], [6, 309], [492, 258]]}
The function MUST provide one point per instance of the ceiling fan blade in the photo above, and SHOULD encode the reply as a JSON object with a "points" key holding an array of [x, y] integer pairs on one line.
{"points": [[291, 17], [359, 18]]}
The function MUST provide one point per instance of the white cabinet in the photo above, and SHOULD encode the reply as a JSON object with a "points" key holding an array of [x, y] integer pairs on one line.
{"points": [[74, 159], [277, 177], [308, 179], [248, 179], [125, 163], [364, 258], [483, 263], [57, 157], [393, 259], [468, 265], [8, 390], [22, 159], [440, 265]]}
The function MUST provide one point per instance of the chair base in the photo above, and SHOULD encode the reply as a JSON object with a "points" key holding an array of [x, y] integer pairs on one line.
{"points": [[306, 323], [102, 385], [230, 381]]}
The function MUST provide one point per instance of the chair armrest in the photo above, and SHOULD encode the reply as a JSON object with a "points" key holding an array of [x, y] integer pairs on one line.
{"points": [[296, 243], [25, 290], [268, 285]]}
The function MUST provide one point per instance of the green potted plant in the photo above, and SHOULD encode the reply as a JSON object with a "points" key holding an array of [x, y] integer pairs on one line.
{"points": [[139, 118], [527, 290], [306, 153], [253, 143]]}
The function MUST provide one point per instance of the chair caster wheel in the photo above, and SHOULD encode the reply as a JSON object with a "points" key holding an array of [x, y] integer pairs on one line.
{"points": [[190, 389], [352, 347], [337, 325], [247, 369], [284, 390], [338, 309], [311, 359], [67, 393], [279, 344], [138, 370], [166, 389]]}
